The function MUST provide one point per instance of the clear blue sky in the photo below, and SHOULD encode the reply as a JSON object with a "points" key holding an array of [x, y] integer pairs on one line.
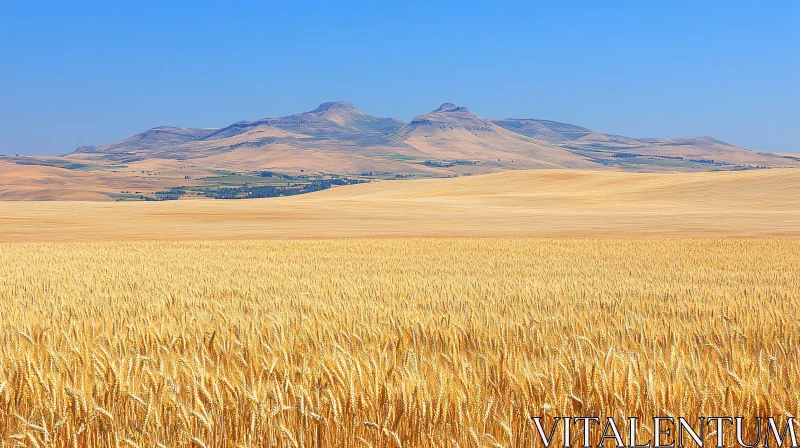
{"points": [[91, 73]]}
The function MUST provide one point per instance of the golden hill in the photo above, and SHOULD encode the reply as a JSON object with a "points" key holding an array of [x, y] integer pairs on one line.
{"points": [[513, 203]]}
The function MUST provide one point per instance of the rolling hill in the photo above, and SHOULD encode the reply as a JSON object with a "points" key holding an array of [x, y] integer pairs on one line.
{"points": [[511, 203], [337, 140]]}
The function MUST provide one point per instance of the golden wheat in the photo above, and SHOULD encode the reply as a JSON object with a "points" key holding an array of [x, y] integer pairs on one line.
{"points": [[389, 342]]}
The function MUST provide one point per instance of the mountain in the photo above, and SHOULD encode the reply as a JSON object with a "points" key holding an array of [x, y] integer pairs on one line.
{"points": [[334, 121], [552, 131], [450, 137], [336, 139], [330, 120], [454, 133], [152, 140], [609, 149], [450, 116]]}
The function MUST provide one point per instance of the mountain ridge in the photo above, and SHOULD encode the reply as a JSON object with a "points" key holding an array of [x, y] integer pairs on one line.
{"points": [[337, 140], [446, 116], [448, 133]]}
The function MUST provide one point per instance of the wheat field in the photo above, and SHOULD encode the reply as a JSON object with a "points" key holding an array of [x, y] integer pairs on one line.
{"points": [[387, 342], [557, 203]]}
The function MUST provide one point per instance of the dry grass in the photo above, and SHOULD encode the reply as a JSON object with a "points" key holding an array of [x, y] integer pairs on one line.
{"points": [[520, 203], [415, 342]]}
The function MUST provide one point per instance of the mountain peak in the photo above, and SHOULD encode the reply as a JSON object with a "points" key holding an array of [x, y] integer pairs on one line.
{"points": [[447, 107], [335, 105], [451, 116]]}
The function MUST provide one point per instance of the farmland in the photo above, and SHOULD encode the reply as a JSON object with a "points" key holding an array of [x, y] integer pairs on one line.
{"points": [[387, 342], [575, 203], [433, 312]]}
